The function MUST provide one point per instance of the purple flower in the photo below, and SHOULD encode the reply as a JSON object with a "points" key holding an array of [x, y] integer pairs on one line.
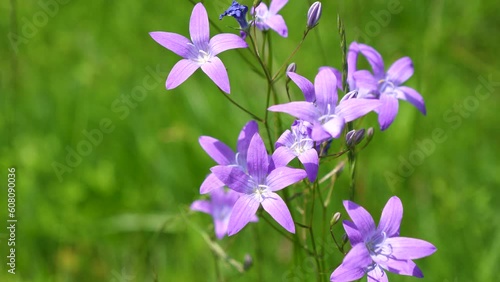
{"points": [[384, 85], [199, 51], [298, 143], [377, 249], [269, 19], [320, 107], [219, 207], [237, 11], [258, 186], [223, 155]]}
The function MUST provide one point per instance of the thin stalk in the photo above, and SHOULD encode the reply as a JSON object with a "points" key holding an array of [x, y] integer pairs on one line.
{"points": [[241, 107], [218, 275], [311, 233], [258, 253], [351, 155], [291, 55]]}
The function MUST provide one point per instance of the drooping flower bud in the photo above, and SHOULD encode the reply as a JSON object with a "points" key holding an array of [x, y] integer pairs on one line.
{"points": [[291, 68], [313, 15], [237, 11], [354, 137]]}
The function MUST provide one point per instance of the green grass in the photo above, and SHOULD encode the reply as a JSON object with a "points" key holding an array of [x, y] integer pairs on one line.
{"points": [[123, 209]]}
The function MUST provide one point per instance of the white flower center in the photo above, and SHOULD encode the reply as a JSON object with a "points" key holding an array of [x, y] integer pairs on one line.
{"points": [[261, 191], [387, 87], [377, 247], [328, 116], [203, 57]]}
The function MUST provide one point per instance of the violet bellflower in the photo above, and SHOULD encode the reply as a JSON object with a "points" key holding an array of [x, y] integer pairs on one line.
{"points": [[258, 187], [386, 86], [298, 143], [376, 249], [237, 11], [269, 19], [219, 207], [321, 109], [199, 52], [223, 155]]}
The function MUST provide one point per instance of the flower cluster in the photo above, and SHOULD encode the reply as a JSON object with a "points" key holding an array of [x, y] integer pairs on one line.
{"points": [[248, 178]]}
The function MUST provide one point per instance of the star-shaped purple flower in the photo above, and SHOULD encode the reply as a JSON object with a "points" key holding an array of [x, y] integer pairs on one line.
{"points": [[375, 250], [320, 107], [269, 19], [219, 207], [199, 52], [223, 155], [384, 85], [258, 187], [298, 143]]}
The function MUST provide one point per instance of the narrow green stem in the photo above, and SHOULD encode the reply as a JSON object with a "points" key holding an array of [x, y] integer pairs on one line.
{"points": [[241, 107], [218, 276], [311, 233], [285, 64], [351, 155]]}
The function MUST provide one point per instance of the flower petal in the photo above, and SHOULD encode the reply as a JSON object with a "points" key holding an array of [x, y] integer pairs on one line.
{"points": [[400, 71], [257, 159], [201, 206], [180, 72], [217, 150], [210, 183], [403, 267], [360, 217], [302, 110], [410, 248], [352, 232], [366, 83], [220, 227], [277, 23], [318, 133], [325, 88], [216, 70], [352, 61], [246, 134], [374, 59], [377, 274], [277, 208], [337, 74], [353, 265], [304, 85], [310, 161], [282, 156], [335, 126], [282, 177], [225, 41], [387, 111], [199, 27], [243, 212], [412, 96], [276, 5], [286, 139], [390, 220], [233, 177], [174, 42], [352, 109]]}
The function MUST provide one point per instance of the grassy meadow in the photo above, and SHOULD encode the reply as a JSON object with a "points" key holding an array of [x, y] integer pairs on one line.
{"points": [[107, 160]]}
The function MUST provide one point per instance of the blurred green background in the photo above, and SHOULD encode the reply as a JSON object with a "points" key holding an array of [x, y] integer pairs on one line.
{"points": [[119, 212]]}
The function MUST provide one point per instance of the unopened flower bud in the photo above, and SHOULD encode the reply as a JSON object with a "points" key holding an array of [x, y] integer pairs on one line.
{"points": [[358, 136], [247, 262], [237, 11], [313, 15], [291, 68], [348, 138], [335, 218], [369, 134]]}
